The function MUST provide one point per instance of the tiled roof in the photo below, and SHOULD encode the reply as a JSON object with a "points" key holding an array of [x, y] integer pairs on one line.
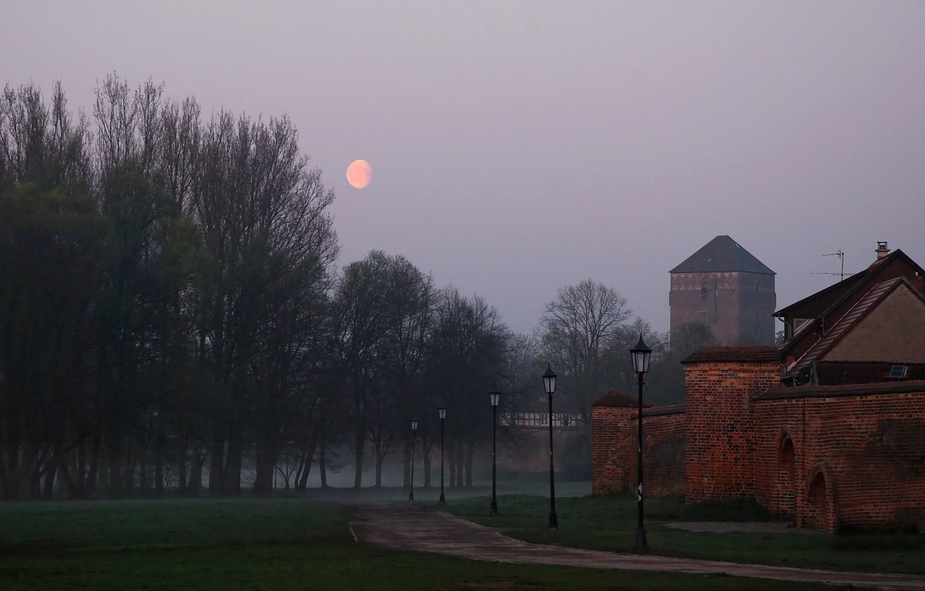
{"points": [[739, 354], [844, 324], [721, 255], [841, 290], [617, 399]]}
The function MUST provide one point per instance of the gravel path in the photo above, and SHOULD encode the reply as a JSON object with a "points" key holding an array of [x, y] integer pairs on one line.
{"points": [[402, 526]]}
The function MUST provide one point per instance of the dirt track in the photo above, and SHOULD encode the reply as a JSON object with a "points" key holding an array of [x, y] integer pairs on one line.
{"points": [[403, 526]]}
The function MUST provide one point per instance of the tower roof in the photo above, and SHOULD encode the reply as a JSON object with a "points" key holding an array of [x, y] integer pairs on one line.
{"points": [[722, 255]]}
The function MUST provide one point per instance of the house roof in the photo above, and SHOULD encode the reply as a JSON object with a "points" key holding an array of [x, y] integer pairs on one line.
{"points": [[733, 354], [848, 321], [830, 304], [839, 291], [617, 399], [722, 255]]}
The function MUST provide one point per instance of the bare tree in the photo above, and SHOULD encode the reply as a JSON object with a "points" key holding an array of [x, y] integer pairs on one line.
{"points": [[575, 331]]}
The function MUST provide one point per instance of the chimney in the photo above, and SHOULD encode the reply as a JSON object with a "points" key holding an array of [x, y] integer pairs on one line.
{"points": [[882, 250]]}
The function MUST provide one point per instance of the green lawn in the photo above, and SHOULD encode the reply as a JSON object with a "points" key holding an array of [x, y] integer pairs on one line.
{"points": [[609, 523], [264, 544]]}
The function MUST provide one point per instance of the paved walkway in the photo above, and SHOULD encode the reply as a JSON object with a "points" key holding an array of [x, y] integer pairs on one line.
{"points": [[402, 526]]}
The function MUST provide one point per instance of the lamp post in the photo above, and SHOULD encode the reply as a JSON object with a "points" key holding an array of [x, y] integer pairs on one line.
{"points": [[442, 412], [414, 430], [641, 354], [549, 383], [494, 398]]}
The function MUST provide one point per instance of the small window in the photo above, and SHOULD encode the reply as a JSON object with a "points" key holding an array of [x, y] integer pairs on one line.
{"points": [[898, 371]]}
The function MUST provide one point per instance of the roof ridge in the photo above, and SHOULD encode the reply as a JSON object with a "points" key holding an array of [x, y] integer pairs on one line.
{"points": [[855, 314]]}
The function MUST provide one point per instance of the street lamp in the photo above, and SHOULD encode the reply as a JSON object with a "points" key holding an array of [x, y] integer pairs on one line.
{"points": [[442, 412], [549, 383], [641, 354], [494, 398], [414, 430]]}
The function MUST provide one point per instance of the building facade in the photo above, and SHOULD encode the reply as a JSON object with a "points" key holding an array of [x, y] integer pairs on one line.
{"points": [[725, 288]]}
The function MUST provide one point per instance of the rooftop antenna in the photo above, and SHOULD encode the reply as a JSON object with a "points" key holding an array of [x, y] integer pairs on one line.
{"points": [[841, 255]]}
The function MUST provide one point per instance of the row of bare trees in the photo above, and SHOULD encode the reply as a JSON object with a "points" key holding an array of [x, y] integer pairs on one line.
{"points": [[165, 283], [170, 308]]}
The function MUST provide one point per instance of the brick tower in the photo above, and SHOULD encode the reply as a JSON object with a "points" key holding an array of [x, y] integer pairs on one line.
{"points": [[727, 289]]}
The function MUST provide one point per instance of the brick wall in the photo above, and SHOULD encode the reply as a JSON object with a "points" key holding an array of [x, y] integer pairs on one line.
{"points": [[614, 455], [858, 454], [611, 446], [663, 452], [829, 457], [721, 442]]}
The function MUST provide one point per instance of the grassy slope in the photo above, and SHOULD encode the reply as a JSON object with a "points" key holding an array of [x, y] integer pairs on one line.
{"points": [[609, 523], [256, 544]]}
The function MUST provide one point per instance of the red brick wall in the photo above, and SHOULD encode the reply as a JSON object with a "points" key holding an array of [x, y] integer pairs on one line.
{"points": [[721, 445], [867, 443], [829, 457], [614, 455], [611, 444], [664, 443]]}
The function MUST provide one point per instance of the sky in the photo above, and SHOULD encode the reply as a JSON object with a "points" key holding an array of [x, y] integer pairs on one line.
{"points": [[521, 147]]}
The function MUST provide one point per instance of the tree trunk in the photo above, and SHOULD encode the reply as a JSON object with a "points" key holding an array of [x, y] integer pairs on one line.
{"points": [[406, 482], [81, 474], [358, 477], [90, 481], [470, 454], [195, 477], [233, 462], [64, 475], [460, 463], [158, 477], [322, 470], [182, 448], [266, 454], [216, 464], [425, 453], [305, 466], [143, 486]]}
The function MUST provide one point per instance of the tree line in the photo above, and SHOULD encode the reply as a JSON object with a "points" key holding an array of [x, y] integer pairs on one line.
{"points": [[170, 308]]}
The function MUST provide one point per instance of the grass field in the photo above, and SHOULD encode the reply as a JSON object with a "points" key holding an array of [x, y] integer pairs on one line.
{"points": [[265, 544], [609, 523]]}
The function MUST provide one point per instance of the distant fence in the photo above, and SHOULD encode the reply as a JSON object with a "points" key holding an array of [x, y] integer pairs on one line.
{"points": [[536, 420]]}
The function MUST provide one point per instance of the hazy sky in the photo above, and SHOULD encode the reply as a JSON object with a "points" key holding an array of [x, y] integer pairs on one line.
{"points": [[519, 147]]}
